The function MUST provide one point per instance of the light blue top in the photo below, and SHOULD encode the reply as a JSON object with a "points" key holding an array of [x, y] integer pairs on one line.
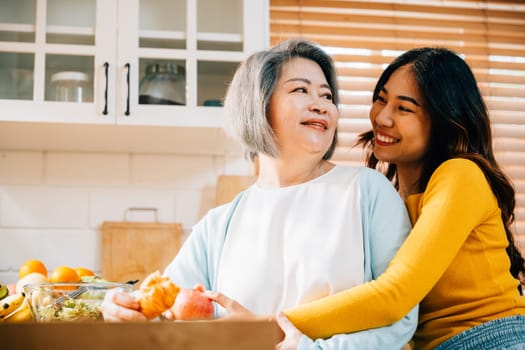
{"points": [[272, 249]]}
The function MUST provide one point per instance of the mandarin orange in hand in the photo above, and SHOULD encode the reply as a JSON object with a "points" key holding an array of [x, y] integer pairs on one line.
{"points": [[64, 274], [30, 266]]}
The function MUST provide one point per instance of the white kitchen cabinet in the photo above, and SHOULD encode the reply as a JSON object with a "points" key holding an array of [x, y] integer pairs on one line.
{"points": [[111, 44]]}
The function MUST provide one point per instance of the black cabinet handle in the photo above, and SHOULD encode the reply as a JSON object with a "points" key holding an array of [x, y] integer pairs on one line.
{"points": [[105, 111], [127, 81]]}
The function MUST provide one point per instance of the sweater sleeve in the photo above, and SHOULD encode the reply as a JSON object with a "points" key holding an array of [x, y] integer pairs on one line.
{"points": [[456, 199], [392, 337], [189, 266]]}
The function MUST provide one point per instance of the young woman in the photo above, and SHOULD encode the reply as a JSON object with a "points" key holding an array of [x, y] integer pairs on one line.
{"points": [[431, 136], [307, 228]]}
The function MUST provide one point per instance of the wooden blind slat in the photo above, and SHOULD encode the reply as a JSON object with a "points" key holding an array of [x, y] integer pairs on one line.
{"points": [[511, 92], [401, 44], [445, 24], [505, 104], [382, 32], [519, 185], [509, 145], [507, 117]]}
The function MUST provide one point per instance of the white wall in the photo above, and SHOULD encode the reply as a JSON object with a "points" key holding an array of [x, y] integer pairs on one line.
{"points": [[52, 204]]}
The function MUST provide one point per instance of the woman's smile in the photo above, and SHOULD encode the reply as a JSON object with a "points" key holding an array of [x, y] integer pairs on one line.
{"points": [[384, 139]]}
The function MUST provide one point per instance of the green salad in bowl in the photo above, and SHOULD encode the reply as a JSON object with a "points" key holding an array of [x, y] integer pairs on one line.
{"points": [[52, 302]]}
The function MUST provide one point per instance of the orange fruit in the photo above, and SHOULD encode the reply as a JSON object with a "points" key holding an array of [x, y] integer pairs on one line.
{"points": [[32, 265], [64, 274], [82, 271]]}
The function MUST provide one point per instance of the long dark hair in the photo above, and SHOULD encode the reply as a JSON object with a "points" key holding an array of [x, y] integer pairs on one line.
{"points": [[460, 128]]}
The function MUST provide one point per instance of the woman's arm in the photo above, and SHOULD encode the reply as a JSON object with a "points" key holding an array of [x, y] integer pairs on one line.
{"points": [[189, 267], [455, 201], [198, 259], [385, 224], [392, 337]]}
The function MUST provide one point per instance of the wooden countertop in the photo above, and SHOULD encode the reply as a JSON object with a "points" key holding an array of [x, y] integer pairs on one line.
{"points": [[188, 335]]}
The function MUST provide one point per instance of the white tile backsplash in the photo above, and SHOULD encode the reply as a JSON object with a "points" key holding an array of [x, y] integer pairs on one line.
{"points": [[87, 169], [54, 247], [53, 203], [191, 205], [21, 168], [112, 204], [236, 165], [32, 206], [173, 170], [74, 248], [19, 245]]}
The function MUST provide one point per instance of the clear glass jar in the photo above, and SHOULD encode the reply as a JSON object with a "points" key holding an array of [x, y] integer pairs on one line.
{"points": [[164, 83], [70, 87]]}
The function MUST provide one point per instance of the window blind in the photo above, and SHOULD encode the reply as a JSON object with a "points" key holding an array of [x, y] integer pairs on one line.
{"points": [[364, 36]]}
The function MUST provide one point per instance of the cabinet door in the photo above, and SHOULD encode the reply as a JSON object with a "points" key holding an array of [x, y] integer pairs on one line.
{"points": [[51, 59], [180, 55]]}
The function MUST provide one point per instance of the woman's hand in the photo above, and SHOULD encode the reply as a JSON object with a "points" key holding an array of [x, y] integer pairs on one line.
{"points": [[235, 310], [291, 334], [119, 306]]}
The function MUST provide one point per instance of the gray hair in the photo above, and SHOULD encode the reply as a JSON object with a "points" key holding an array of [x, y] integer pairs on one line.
{"points": [[247, 101]]}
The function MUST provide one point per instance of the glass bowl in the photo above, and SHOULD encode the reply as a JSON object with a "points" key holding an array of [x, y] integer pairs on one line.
{"points": [[53, 302]]}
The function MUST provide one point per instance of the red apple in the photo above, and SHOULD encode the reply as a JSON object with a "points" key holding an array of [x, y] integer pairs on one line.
{"points": [[192, 304]]}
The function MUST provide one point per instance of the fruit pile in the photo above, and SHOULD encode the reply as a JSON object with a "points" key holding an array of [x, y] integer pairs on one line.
{"points": [[189, 304], [14, 306]]}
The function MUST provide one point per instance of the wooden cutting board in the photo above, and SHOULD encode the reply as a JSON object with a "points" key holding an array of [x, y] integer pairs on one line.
{"points": [[133, 250], [228, 186]]}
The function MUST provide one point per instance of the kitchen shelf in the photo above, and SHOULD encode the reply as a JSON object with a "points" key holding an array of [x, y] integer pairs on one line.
{"points": [[70, 30], [162, 34], [177, 35], [220, 37], [20, 28]]}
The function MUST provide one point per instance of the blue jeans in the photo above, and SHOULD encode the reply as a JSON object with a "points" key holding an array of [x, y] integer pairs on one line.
{"points": [[504, 333]]}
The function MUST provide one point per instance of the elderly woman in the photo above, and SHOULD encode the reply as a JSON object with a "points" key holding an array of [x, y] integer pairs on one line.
{"points": [[307, 228]]}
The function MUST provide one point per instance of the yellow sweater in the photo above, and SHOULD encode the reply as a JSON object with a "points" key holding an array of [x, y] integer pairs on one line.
{"points": [[453, 262]]}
